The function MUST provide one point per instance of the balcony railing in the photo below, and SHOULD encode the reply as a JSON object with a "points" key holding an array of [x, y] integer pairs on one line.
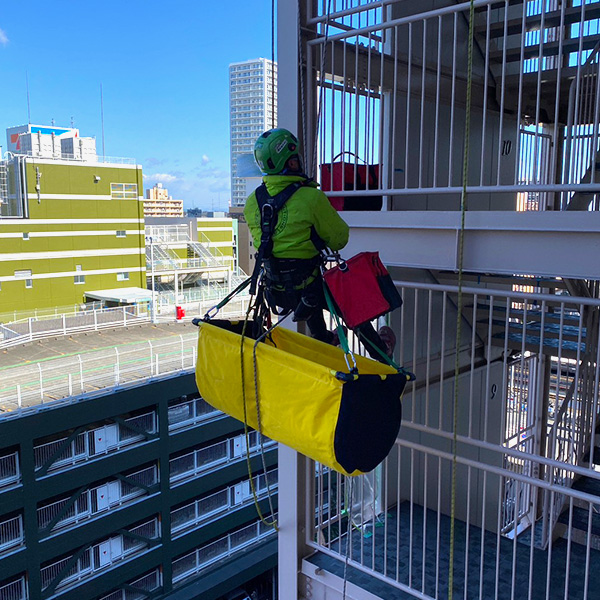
{"points": [[189, 413], [190, 564], [147, 583], [387, 83], [11, 533], [527, 412], [220, 454], [15, 590], [74, 568], [9, 469], [85, 446], [211, 506], [96, 500]]}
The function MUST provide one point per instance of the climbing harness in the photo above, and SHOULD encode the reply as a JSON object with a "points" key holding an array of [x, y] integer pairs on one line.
{"points": [[269, 207]]}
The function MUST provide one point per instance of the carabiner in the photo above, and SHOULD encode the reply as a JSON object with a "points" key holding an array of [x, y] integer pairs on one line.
{"points": [[353, 370], [210, 314]]}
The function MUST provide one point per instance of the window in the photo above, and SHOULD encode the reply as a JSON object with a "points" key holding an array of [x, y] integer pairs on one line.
{"points": [[123, 276], [124, 191], [25, 235], [79, 278], [26, 275], [121, 233]]}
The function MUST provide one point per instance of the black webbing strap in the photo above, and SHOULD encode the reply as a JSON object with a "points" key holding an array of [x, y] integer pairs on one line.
{"points": [[269, 207]]}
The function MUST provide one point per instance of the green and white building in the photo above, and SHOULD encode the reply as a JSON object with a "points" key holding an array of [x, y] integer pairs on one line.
{"points": [[68, 224]]}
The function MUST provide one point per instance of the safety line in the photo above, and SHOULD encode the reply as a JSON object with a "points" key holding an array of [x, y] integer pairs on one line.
{"points": [[461, 237], [348, 534], [273, 522]]}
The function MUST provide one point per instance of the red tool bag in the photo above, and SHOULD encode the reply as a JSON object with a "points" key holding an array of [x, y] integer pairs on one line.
{"points": [[338, 176], [362, 289]]}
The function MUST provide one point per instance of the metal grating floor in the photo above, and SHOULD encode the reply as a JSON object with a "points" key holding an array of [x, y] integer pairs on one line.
{"points": [[505, 567]]}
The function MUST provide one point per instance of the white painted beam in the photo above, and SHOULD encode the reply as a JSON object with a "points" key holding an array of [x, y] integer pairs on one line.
{"points": [[550, 244]]}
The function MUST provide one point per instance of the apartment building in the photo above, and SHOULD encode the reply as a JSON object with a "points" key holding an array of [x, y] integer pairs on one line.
{"points": [[252, 110], [71, 222], [493, 487], [158, 203], [132, 493]]}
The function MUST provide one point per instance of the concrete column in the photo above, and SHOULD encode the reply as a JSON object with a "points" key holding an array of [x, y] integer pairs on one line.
{"points": [[292, 466]]}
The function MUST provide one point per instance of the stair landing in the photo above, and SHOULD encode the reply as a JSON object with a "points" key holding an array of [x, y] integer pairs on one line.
{"points": [[494, 567]]}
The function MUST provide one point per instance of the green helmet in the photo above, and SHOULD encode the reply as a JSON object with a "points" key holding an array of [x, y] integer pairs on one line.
{"points": [[273, 149]]}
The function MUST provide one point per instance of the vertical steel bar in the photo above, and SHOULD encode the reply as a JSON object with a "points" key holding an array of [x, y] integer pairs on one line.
{"points": [[503, 89]]}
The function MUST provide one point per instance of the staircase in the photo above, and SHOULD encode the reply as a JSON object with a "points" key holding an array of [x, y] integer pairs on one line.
{"points": [[518, 64], [580, 518]]}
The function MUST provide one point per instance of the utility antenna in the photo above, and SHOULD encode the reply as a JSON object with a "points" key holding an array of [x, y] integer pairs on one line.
{"points": [[28, 104], [52, 121], [102, 118], [72, 123]]}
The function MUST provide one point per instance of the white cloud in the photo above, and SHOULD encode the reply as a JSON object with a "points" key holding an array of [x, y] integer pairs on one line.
{"points": [[3, 38], [162, 177], [205, 159]]}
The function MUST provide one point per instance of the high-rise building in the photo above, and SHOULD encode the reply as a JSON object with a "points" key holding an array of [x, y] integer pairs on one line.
{"points": [[252, 110], [158, 203]]}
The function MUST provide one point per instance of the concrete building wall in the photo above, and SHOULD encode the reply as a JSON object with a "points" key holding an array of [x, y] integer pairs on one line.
{"points": [[79, 234]]}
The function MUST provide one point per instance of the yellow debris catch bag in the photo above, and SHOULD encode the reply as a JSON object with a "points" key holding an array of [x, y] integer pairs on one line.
{"points": [[306, 397]]}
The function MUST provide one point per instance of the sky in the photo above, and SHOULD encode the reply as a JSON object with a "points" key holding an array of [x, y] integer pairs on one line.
{"points": [[163, 68]]}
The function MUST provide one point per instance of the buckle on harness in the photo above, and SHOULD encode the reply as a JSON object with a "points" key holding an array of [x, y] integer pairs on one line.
{"points": [[264, 211]]}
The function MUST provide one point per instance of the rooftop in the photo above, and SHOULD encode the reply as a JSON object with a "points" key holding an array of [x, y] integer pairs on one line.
{"points": [[53, 369]]}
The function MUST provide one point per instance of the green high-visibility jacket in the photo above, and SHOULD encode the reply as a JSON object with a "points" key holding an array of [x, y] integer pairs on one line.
{"points": [[307, 208]]}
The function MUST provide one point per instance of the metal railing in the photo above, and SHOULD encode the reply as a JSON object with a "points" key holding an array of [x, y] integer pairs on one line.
{"points": [[15, 590], [99, 556], [87, 158], [582, 133], [62, 453], [30, 387], [192, 563], [93, 501], [147, 583], [11, 533], [189, 413], [519, 521], [211, 506], [386, 84], [43, 326], [9, 469], [226, 452], [38, 313]]}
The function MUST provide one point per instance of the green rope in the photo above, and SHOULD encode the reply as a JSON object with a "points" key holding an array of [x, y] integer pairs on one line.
{"points": [[273, 522], [459, 308]]}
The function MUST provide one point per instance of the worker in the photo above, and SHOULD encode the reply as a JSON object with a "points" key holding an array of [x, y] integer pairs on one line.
{"points": [[305, 224]]}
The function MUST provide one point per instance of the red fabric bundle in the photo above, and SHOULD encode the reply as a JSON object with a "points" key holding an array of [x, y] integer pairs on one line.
{"points": [[362, 289], [340, 176]]}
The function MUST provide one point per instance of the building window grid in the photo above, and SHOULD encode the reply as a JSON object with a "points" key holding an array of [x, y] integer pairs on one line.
{"points": [[124, 191]]}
